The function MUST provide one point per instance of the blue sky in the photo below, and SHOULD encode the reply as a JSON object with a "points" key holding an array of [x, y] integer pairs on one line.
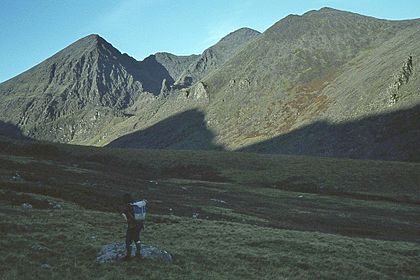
{"points": [[33, 30]]}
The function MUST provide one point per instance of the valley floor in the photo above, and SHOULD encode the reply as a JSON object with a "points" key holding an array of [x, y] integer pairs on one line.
{"points": [[221, 215], [61, 244]]}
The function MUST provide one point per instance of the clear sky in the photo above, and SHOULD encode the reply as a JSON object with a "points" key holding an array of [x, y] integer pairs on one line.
{"points": [[33, 30]]}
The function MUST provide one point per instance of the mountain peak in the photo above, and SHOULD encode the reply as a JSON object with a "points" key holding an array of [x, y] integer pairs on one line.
{"points": [[329, 9], [240, 33], [92, 41], [94, 38], [335, 13]]}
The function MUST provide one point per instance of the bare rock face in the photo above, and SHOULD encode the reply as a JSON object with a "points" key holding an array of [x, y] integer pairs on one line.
{"points": [[164, 88], [116, 251], [401, 78], [200, 91]]}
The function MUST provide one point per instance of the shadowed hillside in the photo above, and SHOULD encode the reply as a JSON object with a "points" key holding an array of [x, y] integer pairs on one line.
{"points": [[11, 131], [392, 136], [156, 72], [388, 136], [186, 131], [175, 64]]}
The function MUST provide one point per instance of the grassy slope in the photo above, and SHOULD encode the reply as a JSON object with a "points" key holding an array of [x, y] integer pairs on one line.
{"points": [[291, 217], [324, 65], [202, 249]]}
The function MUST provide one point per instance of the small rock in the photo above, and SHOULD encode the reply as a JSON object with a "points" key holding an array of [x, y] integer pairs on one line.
{"points": [[55, 205], [45, 266], [39, 248], [245, 83], [218, 200], [26, 206], [17, 177]]}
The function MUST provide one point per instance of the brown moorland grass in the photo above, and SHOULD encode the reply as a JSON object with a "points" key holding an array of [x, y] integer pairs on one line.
{"points": [[50, 244], [259, 216]]}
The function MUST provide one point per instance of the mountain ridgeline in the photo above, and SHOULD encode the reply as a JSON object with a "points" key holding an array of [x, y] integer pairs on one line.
{"points": [[325, 83]]}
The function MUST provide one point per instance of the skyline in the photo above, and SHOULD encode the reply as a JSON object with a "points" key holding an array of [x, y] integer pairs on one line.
{"points": [[32, 31]]}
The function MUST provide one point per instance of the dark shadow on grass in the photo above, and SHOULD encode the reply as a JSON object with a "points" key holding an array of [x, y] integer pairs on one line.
{"points": [[184, 131], [11, 131], [391, 136]]}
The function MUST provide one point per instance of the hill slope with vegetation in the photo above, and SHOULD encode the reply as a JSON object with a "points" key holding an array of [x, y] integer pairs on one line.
{"points": [[326, 83], [220, 214]]}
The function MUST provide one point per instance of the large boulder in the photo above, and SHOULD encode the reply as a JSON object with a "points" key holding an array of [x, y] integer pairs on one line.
{"points": [[116, 251]]}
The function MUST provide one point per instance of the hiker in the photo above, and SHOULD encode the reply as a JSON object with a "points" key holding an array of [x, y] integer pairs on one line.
{"points": [[134, 214]]}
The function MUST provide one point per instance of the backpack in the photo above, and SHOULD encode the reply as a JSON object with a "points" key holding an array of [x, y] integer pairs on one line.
{"points": [[139, 209]]}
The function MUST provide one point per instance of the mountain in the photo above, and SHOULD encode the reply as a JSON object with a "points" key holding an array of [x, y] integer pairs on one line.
{"points": [[63, 97], [87, 88], [325, 83], [326, 65], [214, 57], [175, 64]]}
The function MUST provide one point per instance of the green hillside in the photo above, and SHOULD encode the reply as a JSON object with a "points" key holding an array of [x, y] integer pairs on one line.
{"points": [[324, 66]]}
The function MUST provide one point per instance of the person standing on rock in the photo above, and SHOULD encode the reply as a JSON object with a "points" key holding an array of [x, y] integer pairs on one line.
{"points": [[134, 216]]}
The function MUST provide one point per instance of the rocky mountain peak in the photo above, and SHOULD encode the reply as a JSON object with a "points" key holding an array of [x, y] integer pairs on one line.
{"points": [[241, 34], [88, 44]]}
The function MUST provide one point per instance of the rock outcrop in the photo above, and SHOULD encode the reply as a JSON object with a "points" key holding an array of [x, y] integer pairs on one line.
{"points": [[400, 79], [164, 90], [116, 251], [200, 91]]}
